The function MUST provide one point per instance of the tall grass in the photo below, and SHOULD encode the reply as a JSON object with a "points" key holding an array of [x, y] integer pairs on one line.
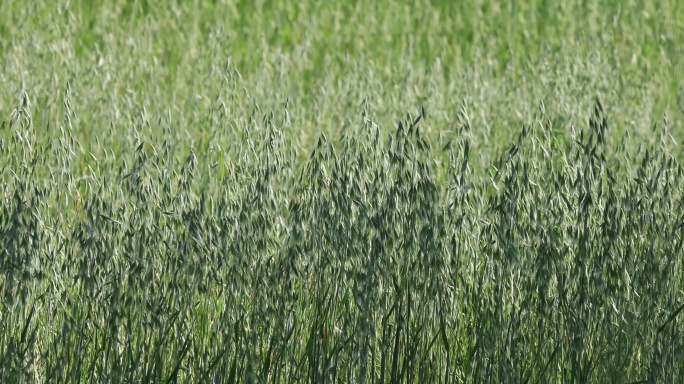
{"points": [[222, 192]]}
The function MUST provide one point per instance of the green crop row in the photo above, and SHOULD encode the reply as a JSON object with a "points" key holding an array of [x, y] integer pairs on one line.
{"points": [[400, 191]]}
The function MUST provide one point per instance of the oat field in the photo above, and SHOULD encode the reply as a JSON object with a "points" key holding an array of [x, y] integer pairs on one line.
{"points": [[415, 191]]}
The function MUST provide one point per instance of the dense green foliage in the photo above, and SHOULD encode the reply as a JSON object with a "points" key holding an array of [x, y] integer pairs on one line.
{"points": [[395, 191]]}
